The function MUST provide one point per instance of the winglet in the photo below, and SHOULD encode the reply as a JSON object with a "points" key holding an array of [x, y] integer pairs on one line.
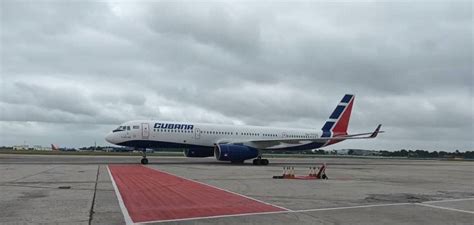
{"points": [[376, 132]]}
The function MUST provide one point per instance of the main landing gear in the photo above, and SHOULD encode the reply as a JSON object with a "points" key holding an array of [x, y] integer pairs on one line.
{"points": [[260, 161], [144, 160]]}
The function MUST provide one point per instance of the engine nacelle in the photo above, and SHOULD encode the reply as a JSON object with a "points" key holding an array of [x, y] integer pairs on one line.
{"points": [[198, 152], [234, 153]]}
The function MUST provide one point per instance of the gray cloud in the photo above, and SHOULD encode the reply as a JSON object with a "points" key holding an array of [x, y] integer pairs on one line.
{"points": [[88, 66]]}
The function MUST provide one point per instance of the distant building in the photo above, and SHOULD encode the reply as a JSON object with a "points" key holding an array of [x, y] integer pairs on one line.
{"points": [[341, 152], [41, 148], [21, 147], [108, 149]]}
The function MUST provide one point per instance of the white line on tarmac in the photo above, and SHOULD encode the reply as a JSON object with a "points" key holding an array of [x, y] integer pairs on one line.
{"points": [[450, 200], [351, 207], [213, 217], [126, 216], [445, 208]]}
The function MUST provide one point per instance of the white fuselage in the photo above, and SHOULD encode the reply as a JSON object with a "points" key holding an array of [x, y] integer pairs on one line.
{"points": [[172, 134]]}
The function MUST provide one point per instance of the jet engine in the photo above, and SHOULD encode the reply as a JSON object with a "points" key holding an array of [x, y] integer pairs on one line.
{"points": [[234, 153]]}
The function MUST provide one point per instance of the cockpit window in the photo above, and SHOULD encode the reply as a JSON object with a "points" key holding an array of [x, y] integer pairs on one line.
{"points": [[121, 128], [128, 127]]}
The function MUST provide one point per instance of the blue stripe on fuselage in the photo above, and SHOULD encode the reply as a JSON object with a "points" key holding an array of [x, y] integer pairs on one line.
{"points": [[162, 144]]}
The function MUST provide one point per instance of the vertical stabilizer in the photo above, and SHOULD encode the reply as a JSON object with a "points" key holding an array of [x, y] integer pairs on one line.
{"points": [[338, 122]]}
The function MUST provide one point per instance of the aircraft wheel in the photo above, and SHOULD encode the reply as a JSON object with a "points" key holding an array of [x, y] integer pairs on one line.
{"points": [[257, 162], [144, 161]]}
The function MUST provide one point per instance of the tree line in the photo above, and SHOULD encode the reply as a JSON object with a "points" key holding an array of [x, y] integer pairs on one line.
{"points": [[427, 154]]}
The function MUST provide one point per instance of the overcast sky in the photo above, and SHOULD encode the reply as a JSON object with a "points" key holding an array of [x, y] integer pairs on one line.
{"points": [[71, 71]]}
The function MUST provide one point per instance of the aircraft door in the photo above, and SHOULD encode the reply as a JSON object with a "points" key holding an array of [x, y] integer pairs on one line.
{"points": [[197, 133], [145, 131]]}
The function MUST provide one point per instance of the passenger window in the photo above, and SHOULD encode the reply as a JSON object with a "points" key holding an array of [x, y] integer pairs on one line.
{"points": [[128, 127], [136, 127]]}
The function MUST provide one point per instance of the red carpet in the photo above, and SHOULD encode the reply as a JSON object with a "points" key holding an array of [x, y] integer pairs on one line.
{"points": [[151, 195]]}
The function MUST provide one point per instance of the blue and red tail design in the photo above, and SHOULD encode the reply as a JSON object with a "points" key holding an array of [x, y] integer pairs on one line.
{"points": [[338, 122]]}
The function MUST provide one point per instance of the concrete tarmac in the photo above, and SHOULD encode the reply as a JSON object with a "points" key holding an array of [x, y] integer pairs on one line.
{"points": [[78, 190]]}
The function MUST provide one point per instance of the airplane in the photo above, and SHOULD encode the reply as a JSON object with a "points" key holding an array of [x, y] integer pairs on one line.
{"points": [[235, 143], [54, 148]]}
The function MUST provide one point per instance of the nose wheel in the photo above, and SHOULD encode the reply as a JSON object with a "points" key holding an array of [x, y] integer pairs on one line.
{"points": [[144, 160]]}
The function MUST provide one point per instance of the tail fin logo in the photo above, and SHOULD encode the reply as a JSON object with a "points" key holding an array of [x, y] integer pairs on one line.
{"points": [[338, 122], [54, 147]]}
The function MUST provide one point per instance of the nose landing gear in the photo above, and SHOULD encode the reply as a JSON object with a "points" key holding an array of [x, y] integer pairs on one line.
{"points": [[144, 160]]}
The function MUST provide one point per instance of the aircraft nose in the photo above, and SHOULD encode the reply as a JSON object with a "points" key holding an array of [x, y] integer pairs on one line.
{"points": [[109, 138]]}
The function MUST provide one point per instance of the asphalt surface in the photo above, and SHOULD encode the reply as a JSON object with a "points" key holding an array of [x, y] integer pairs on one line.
{"points": [[79, 190]]}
